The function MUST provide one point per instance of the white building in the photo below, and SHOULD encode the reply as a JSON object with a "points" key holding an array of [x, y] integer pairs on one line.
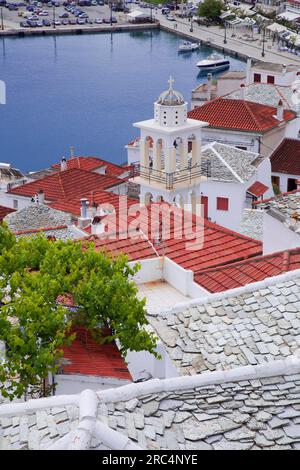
{"points": [[281, 224], [176, 168], [170, 173]]}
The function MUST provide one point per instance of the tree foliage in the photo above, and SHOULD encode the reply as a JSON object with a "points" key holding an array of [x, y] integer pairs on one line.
{"points": [[211, 9], [34, 326]]}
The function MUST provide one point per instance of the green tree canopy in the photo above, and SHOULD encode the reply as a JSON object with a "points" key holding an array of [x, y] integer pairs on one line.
{"points": [[211, 9], [34, 326]]}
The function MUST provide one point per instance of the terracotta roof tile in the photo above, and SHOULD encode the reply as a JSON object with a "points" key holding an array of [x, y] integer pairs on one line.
{"points": [[239, 114], [72, 206], [4, 211], [257, 189], [286, 157], [92, 163], [67, 184], [87, 357], [221, 246], [245, 272]]}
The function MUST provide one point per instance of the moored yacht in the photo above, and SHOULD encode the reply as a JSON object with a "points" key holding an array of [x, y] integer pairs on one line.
{"points": [[188, 46], [213, 63]]}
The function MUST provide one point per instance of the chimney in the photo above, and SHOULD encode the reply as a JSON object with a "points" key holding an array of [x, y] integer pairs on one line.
{"points": [[72, 151], [41, 197], [284, 68], [98, 226], [209, 84], [242, 92], [84, 220], [248, 71], [63, 164], [279, 114]]}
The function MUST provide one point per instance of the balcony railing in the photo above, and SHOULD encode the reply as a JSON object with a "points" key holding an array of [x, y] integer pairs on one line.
{"points": [[170, 180]]}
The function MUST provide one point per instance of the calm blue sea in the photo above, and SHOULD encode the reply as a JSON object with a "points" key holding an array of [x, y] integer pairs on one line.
{"points": [[86, 91]]}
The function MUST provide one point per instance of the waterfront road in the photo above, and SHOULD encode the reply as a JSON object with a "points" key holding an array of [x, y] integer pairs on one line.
{"points": [[215, 36]]}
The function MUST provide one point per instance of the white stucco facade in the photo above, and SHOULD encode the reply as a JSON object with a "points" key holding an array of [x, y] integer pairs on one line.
{"points": [[277, 236]]}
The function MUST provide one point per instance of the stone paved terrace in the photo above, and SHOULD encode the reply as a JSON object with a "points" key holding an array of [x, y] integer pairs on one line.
{"points": [[255, 324], [246, 408], [160, 296]]}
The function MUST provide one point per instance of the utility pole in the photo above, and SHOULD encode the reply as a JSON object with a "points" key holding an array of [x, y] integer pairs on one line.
{"points": [[191, 28], [110, 4], [225, 33], [54, 16], [2, 25]]}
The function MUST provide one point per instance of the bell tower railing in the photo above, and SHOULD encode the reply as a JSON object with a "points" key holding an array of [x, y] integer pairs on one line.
{"points": [[170, 180]]}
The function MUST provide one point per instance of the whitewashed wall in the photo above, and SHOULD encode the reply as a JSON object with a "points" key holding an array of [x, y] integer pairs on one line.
{"points": [[277, 236]]}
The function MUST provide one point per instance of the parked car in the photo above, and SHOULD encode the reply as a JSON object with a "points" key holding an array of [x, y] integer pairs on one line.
{"points": [[57, 23], [98, 20], [24, 24], [65, 22], [64, 15], [47, 22], [72, 21], [40, 23], [80, 21]]}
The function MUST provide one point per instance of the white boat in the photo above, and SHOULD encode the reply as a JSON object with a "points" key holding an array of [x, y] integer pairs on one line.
{"points": [[188, 46], [213, 63]]}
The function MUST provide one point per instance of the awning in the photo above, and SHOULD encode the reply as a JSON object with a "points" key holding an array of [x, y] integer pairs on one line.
{"points": [[276, 28], [289, 15], [257, 189], [137, 14]]}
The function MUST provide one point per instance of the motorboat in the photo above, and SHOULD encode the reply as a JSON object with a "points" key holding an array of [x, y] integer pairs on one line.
{"points": [[188, 46], [213, 63]]}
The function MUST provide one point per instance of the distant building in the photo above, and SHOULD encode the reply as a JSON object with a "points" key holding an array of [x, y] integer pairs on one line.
{"points": [[285, 165], [281, 222]]}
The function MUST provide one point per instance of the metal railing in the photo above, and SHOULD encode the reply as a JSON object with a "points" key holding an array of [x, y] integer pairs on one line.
{"points": [[171, 179]]}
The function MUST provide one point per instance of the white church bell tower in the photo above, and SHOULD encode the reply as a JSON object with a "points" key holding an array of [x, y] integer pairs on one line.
{"points": [[170, 152]]}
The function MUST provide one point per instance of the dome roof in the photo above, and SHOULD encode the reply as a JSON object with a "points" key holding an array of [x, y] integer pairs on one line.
{"points": [[170, 97]]}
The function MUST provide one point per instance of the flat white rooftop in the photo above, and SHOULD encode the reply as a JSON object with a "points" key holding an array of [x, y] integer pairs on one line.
{"points": [[160, 296]]}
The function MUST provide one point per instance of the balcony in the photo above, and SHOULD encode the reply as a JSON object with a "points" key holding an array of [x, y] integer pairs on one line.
{"points": [[171, 180]]}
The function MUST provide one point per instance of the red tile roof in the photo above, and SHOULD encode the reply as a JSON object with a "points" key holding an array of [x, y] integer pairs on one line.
{"points": [[87, 357], [221, 246], [4, 211], [245, 272], [286, 157], [239, 114], [67, 184], [257, 189], [138, 248], [72, 206], [92, 163]]}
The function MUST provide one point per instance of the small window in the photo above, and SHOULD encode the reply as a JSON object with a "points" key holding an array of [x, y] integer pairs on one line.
{"points": [[271, 79], [222, 203], [241, 148], [15, 204], [257, 78]]}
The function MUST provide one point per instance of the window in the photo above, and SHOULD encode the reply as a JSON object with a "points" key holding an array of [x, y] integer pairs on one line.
{"points": [[291, 184], [276, 184], [241, 148], [15, 204], [222, 203], [271, 79], [257, 78]]}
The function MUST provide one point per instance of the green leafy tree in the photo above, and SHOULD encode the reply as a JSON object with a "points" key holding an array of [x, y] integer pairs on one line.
{"points": [[34, 326], [211, 9]]}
